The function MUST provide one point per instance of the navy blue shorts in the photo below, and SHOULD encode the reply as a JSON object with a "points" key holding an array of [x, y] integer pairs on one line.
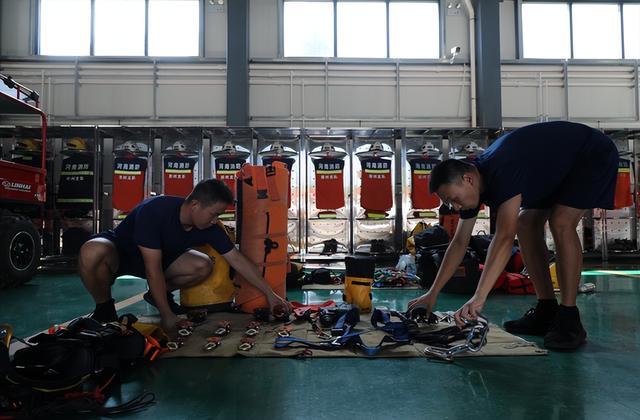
{"points": [[591, 182], [129, 256], [129, 263]]}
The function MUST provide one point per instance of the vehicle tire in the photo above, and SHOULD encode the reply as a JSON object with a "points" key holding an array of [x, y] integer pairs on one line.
{"points": [[20, 250]]}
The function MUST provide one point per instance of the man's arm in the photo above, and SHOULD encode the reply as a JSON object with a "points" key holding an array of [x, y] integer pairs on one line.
{"points": [[452, 258], [501, 245], [497, 257], [157, 282], [248, 270]]}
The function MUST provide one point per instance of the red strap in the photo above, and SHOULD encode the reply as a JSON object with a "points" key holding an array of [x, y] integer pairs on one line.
{"points": [[299, 309]]}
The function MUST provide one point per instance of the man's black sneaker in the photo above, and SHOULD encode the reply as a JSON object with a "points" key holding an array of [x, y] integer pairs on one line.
{"points": [[175, 308], [536, 321], [567, 332]]}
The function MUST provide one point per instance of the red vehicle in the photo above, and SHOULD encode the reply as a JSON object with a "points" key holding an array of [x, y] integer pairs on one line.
{"points": [[22, 192]]}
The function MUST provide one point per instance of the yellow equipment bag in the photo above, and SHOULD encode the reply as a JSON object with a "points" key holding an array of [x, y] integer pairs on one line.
{"points": [[216, 292], [358, 280], [554, 277], [411, 243]]}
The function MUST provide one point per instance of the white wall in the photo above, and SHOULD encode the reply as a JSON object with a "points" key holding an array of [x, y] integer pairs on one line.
{"points": [[15, 27], [508, 35], [215, 31], [288, 93]]}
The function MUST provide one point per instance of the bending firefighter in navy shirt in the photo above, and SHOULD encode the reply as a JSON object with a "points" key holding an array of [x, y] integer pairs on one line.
{"points": [[542, 172], [154, 242]]}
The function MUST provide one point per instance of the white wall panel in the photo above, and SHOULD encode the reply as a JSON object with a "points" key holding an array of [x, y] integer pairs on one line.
{"points": [[435, 95], [508, 35], [359, 93], [272, 101], [115, 101], [263, 28], [215, 30], [191, 101], [456, 33], [554, 99], [596, 94], [15, 27], [61, 100], [362, 101], [601, 103], [431, 102], [313, 101], [520, 102], [602, 92]]}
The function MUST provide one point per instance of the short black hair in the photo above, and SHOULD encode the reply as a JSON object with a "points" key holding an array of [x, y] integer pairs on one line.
{"points": [[210, 191], [447, 172]]}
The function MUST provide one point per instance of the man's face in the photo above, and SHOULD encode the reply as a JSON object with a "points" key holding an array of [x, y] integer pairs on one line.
{"points": [[203, 217], [463, 194]]}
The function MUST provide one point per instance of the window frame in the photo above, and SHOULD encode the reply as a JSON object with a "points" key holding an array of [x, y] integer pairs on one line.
{"points": [[519, 46], [335, 58], [201, 19]]}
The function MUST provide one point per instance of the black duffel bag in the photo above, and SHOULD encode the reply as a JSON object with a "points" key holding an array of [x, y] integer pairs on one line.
{"points": [[480, 245], [431, 237], [464, 280]]}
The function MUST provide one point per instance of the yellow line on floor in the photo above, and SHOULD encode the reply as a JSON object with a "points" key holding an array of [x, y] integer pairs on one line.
{"points": [[17, 345], [133, 299], [619, 273]]}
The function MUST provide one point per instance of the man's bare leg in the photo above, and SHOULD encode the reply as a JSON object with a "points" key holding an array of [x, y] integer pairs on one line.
{"points": [[534, 250], [188, 269], [567, 332], [563, 223], [97, 265], [538, 320]]}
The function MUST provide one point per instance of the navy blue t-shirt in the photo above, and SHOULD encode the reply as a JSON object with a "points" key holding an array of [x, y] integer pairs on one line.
{"points": [[539, 161], [155, 223]]}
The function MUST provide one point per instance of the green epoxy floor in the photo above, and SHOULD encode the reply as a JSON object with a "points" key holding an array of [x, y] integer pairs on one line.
{"points": [[600, 381]]}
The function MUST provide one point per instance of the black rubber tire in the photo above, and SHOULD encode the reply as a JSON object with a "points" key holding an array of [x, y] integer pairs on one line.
{"points": [[20, 250]]}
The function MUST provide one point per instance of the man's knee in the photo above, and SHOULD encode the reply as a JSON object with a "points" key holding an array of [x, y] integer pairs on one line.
{"points": [[94, 252], [560, 224], [203, 267], [530, 222]]}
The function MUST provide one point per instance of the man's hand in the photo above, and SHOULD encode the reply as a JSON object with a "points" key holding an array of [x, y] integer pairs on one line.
{"points": [[428, 300], [169, 324], [277, 305], [469, 310]]}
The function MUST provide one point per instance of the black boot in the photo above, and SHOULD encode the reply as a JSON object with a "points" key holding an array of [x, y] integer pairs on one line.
{"points": [[567, 332], [105, 312], [536, 321], [175, 307]]}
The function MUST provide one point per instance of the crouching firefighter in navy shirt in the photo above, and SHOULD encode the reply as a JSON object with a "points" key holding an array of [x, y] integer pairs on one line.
{"points": [[154, 242], [542, 172]]}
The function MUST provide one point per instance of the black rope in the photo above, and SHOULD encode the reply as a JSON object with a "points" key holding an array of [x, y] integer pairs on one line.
{"points": [[90, 405]]}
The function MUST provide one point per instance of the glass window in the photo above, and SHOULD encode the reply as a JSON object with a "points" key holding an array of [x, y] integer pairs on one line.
{"points": [[119, 27], [545, 30], [308, 29], [65, 27], [631, 30], [596, 31], [174, 26], [362, 29], [414, 30]]}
